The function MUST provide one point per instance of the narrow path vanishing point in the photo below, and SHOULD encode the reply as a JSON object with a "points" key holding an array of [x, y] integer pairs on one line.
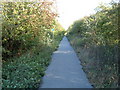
{"points": [[65, 70]]}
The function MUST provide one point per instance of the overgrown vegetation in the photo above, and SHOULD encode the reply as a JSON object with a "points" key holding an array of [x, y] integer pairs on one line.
{"points": [[28, 41], [95, 39]]}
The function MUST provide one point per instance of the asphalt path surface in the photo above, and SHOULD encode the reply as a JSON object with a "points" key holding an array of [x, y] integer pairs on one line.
{"points": [[65, 70]]}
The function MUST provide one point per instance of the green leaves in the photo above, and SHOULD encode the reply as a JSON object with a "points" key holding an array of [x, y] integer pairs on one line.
{"points": [[27, 42], [27, 70], [28, 23], [96, 38]]}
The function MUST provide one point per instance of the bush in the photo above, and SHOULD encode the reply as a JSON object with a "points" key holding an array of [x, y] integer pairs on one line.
{"points": [[96, 40], [27, 42]]}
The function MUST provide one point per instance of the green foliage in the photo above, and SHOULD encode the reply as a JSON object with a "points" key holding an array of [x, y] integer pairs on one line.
{"points": [[97, 35], [27, 70], [26, 24], [28, 42]]}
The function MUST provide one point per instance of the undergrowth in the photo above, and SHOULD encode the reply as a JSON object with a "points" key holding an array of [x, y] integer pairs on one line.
{"points": [[27, 70], [95, 40], [101, 74]]}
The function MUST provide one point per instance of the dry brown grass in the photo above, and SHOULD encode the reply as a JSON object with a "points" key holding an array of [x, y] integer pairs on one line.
{"points": [[100, 74]]}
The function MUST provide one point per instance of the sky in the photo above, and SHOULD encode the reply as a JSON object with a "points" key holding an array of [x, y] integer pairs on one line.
{"points": [[71, 10]]}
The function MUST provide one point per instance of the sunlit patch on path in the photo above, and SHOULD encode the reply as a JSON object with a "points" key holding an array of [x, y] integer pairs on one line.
{"points": [[65, 70]]}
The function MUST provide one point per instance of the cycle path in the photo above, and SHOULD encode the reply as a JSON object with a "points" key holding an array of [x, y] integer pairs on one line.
{"points": [[65, 70]]}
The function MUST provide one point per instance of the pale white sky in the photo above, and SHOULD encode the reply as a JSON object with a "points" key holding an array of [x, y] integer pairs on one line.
{"points": [[71, 10]]}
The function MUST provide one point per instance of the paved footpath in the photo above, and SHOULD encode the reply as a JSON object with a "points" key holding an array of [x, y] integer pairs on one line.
{"points": [[65, 70]]}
